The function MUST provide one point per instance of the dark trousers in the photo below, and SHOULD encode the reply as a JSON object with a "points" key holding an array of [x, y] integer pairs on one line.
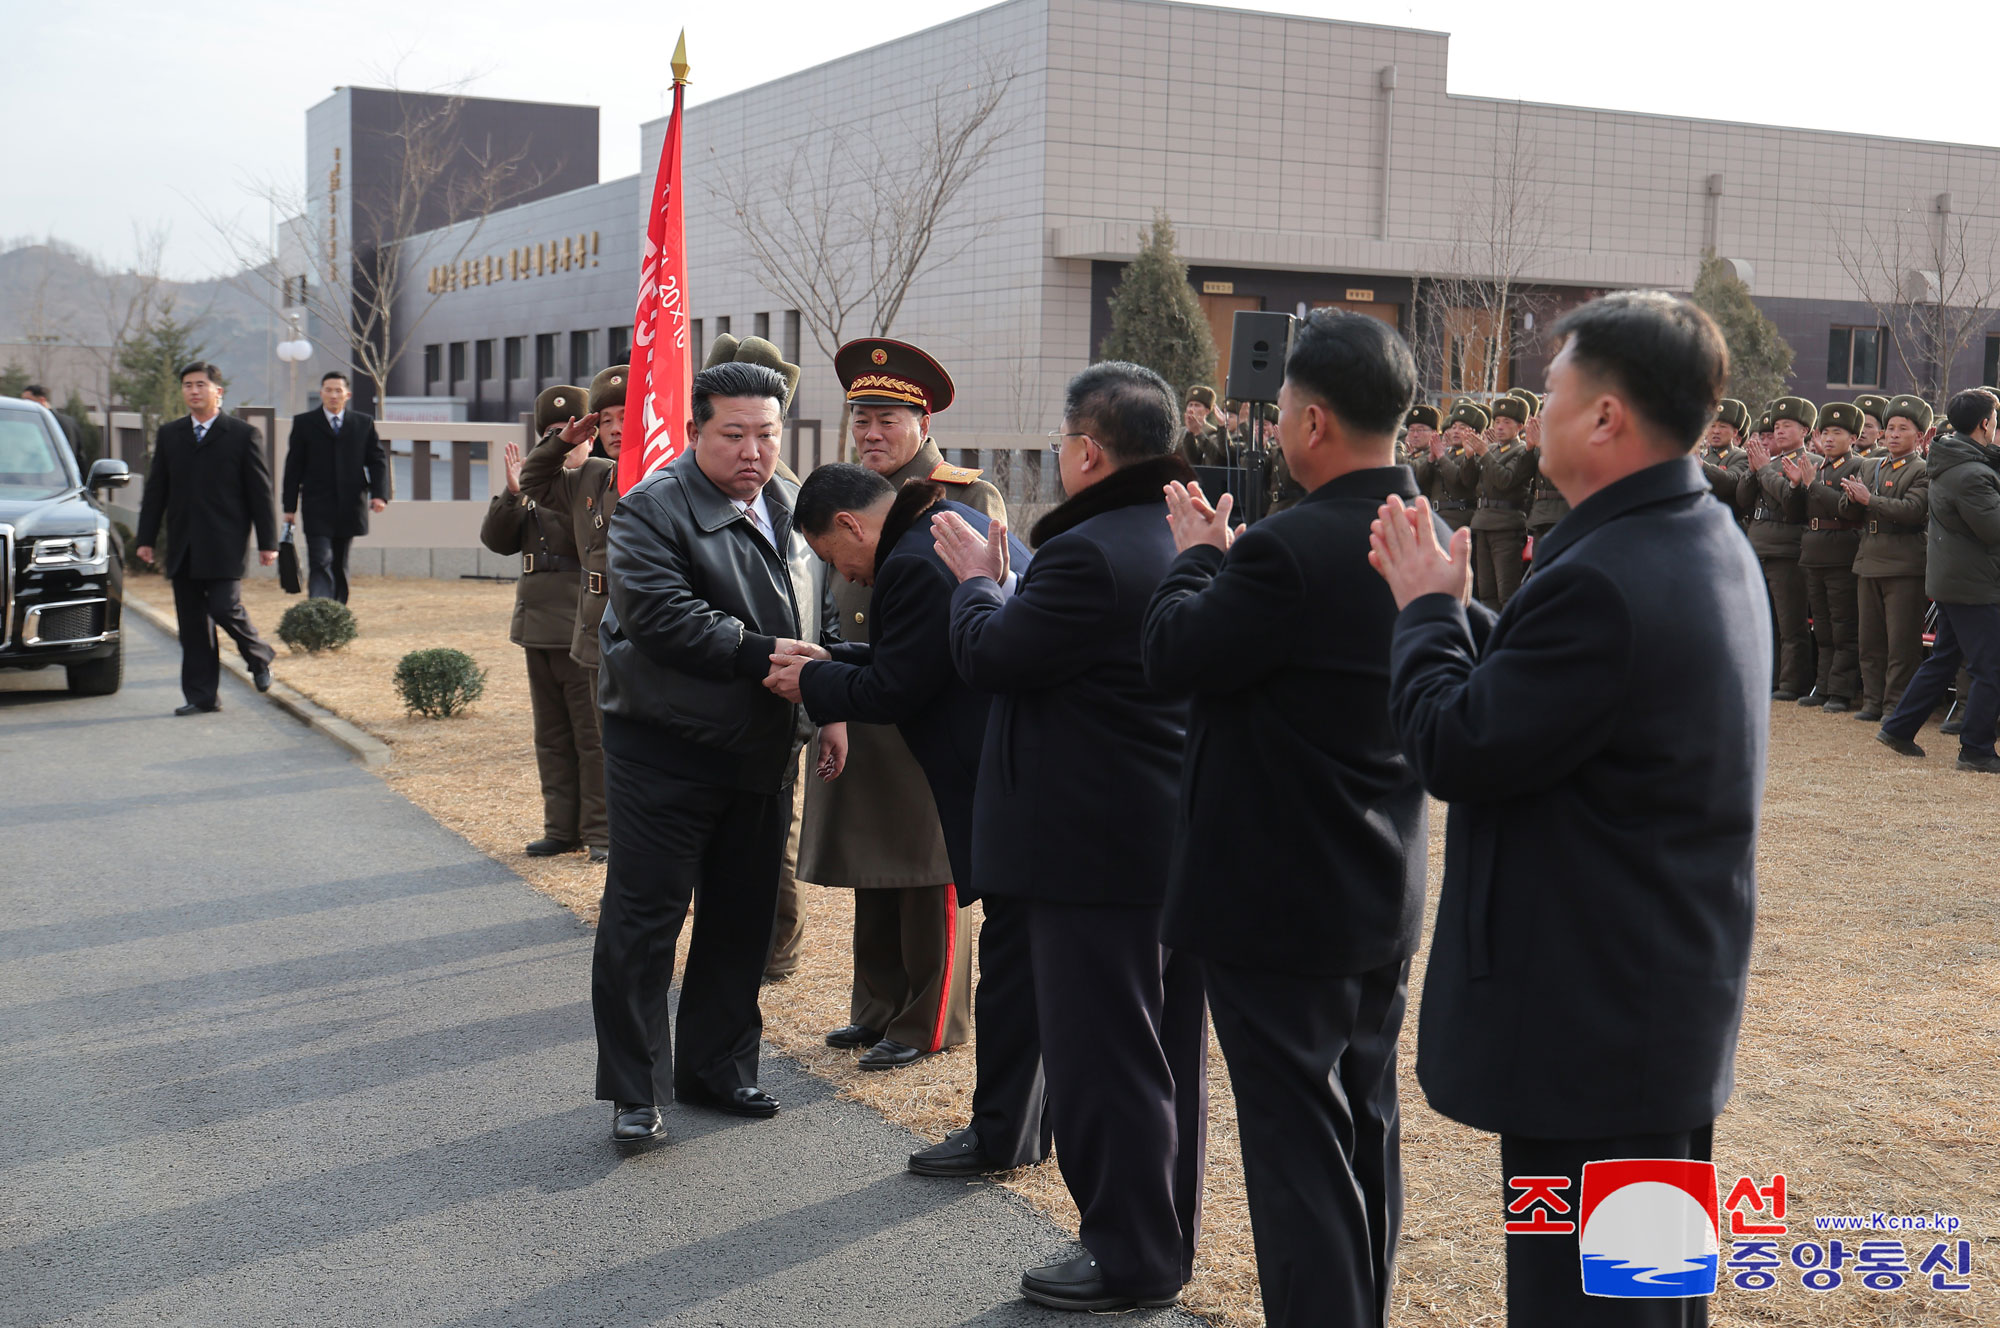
{"points": [[1789, 611], [568, 757], [912, 965], [1891, 644], [199, 608], [1125, 1045], [1313, 1064], [676, 840], [788, 926], [1967, 634], [326, 566], [1545, 1273], [1496, 565], [1009, 1095], [1833, 597]]}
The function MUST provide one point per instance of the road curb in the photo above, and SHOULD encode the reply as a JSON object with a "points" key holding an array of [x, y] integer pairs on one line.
{"points": [[369, 750]]}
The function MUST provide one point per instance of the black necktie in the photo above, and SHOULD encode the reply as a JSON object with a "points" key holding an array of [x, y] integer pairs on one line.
{"points": [[200, 431], [336, 423]]}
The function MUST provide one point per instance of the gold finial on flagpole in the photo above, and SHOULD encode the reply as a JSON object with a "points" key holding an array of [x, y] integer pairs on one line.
{"points": [[681, 58]]}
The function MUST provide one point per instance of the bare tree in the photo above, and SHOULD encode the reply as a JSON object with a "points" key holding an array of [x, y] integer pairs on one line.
{"points": [[126, 302], [1479, 289], [845, 229], [1932, 276], [435, 197]]}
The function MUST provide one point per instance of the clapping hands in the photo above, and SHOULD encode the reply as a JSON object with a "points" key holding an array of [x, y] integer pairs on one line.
{"points": [[1193, 521], [968, 553]]}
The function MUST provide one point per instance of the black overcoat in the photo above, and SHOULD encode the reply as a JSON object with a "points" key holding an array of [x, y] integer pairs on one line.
{"points": [[213, 494], [335, 476]]}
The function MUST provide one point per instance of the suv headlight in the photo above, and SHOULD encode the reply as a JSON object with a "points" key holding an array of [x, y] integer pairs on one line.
{"points": [[85, 551]]}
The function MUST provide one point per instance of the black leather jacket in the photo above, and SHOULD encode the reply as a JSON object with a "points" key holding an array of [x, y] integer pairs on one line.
{"points": [[698, 599]]}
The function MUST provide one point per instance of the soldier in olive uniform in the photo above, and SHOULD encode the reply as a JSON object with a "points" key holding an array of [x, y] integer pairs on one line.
{"points": [[1722, 457], [1764, 496], [1874, 417], [1420, 445], [1500, 523], [875, 829], [1457, 477], [567, 755], [1826, 553], [1892, 499], [1546, 505], [1203, 442]]}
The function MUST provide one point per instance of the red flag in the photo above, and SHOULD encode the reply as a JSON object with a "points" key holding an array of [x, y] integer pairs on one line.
{"points": [[662, 369]]}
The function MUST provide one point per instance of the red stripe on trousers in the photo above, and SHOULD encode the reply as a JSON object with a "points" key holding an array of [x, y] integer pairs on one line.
{"points": [[950, 958]]}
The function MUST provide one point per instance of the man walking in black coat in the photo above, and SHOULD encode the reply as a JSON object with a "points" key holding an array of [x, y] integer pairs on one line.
{"points": [[1073, 820], [339, 464], [879, 537], [1298, 873], [209, 481], [1602, 745]]}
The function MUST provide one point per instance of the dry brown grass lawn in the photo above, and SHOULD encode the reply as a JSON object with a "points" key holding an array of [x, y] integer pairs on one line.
{"points": [[1869, 1069]]}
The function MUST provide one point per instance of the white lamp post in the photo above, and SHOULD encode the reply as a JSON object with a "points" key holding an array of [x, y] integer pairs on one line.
{"points": [[294, 352]]}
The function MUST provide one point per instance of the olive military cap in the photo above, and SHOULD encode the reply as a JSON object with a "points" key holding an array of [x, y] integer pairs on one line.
{"points": [[754, 350], [558, 405], [1873, 403], [1840, 415], [1534, 402], [1734, 414], [608, 388], [1424, 415], [1794, 408], [1511, 407], [1471, 413], [1205, 395], [1914, 409]]}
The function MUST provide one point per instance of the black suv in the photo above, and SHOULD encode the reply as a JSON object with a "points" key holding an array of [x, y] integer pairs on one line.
{"points": [[62, 575]]}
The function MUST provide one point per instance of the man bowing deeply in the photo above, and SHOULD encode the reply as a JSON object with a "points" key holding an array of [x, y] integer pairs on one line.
{"points": [[1601, 743]]}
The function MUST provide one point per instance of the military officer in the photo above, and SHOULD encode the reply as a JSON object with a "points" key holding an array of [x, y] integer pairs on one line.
{"points": [[875, 830], [1874, 415], [1764, 497], [1500, 522], [1457, 477], [1722, 457], [1203, 442], [1826, 553], [1892, 499], [567, 755]]}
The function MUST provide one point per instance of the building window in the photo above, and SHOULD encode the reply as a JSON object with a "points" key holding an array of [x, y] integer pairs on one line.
{"points": [[579, 358], [1854, 357], [722, 326], [517, 349], [1992, 375], [457, 364], [621, 343], [483, 355], [792, 335], [545, 358], [762, 322], [694, 324], [433, 363]]}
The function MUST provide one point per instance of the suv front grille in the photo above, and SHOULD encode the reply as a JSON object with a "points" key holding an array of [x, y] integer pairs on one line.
{"points": [[71, 622]]}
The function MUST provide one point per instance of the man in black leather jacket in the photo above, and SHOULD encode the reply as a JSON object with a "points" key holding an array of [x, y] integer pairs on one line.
{"points": [[708, 580]]}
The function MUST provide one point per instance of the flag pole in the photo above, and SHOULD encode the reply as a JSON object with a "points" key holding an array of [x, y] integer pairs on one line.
{"points": [[662, 370]]}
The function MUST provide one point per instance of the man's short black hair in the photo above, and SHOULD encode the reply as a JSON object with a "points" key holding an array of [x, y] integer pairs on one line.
{"points": [[332, 374], [35, 390], [1662, 354], [1969, 409], [203, 367], [1127, 408], [1357, 365], [839, 486], [735, 378]]}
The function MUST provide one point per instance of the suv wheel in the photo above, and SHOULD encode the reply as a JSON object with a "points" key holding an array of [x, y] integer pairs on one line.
{"points": [[99, 677]]}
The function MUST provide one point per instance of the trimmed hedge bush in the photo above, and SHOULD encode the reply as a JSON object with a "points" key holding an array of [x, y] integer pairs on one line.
{"points": [[313, 625], [440, 682]]}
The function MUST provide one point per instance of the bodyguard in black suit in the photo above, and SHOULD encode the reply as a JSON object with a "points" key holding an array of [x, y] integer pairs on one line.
{"points": [[872, 534], [339, 464], [209, 481], [1602, 744], [1074, 817], [1298, 872]]}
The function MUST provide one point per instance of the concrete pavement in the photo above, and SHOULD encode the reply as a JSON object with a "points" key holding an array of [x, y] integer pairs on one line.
{"points": [[276, 1048]]}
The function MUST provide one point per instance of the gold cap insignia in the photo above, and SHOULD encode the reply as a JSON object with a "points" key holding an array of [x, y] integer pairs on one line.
{"points": [[879, 356]]}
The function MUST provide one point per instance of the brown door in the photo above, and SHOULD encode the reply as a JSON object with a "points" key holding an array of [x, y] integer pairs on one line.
{"points": [[1392, 314], [1221, 311]]}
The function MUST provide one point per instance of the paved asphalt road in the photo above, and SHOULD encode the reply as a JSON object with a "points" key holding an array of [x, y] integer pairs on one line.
{"points": [[276, 1048]]}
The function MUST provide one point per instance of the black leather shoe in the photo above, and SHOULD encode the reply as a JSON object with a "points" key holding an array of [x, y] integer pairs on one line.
{"points": [[1078, 1285], [1869, 716], [1985, 765], [889, 1054], [1784, 696], [957, 1157], [261, 676], [752, 1101], [636, 1122], [853, 1035], [600, 855], [1896, 744], [1836, 706], [192, 709], [1951, 728], [548, 848], [1814, 700]]}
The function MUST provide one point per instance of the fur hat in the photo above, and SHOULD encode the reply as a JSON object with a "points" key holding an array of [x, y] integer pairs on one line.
{"points": [[558, 405], [1840, 415], [1424, 415], [1914, 409], [1534, 402], [1469, 412], [1795, 408], [1733, 413], [1874, 403], [755, 350], [1205, 395], [1511, 407], [608, 388]]}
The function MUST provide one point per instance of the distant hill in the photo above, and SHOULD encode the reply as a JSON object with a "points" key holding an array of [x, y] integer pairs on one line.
{"points": [[50, 288]]}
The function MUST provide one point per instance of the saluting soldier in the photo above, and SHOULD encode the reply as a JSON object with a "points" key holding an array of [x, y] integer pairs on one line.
{"points": [[1457, 477], [1500, 523], [1892, 499], [1202, 441], [1764, 497], [875, 830], [1826, 553], [568, 757], [1874, 418], [1723, 460]]}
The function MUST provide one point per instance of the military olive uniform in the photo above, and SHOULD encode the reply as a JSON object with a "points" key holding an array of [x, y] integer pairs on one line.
{"points": [[875, 830], [1283, 488], [1500, 522], [567, 755], [1826, 554], [1725, 468], [1422, 468], [1455, 492], [1764, 497], [1889, 571], [1210, 447], [1546, 505], [585, 498]]}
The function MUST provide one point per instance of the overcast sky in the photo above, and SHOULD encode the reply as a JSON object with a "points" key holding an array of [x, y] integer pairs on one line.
{"points": [[119, 113]]}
